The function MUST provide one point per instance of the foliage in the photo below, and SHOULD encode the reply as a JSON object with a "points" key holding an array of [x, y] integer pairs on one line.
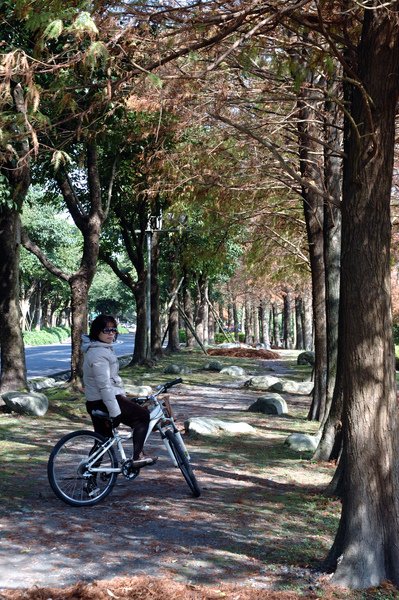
{"points": [[108, 295], [48, 335]]}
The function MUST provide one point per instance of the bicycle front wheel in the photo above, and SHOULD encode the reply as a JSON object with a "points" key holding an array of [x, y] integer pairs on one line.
{"points": [[68, 474], [183, 463]]}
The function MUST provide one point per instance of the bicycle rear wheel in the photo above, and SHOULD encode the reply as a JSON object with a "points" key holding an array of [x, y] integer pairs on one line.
{"points": [[183, 463], [67, 471]]}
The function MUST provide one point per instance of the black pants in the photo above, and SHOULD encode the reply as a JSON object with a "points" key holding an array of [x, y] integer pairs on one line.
{"points": [[132, 414]]}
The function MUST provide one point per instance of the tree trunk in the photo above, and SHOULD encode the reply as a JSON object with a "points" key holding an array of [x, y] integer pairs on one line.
{"points": [[276, 325], [230, 317], [299, 345], [13, 368], [79, 291], [38, 307], [366, 548], [248, 327], [311, 167], [307, 322], [265, 323], [156, 336], [236, 321], [206, 313], [173, 323], [140, 340], [200, 307], [330, 443], [17, 173], [287, 319], [211, 326], [332, 239], [188, 310], [255, 321]]}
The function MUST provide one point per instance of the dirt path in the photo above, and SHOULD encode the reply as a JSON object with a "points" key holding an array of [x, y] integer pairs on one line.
{"points": [[152, 525]]}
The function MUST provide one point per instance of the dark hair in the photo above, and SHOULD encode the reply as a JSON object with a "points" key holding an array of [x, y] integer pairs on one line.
{"points": [[99, 323]]}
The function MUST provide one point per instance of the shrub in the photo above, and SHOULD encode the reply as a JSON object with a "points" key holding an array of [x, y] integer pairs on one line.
{"points": [[48, 335], [220, 338]]}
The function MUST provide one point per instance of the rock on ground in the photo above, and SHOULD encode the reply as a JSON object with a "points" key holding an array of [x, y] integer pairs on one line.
{"points": [[26, 403], [209, 426]]}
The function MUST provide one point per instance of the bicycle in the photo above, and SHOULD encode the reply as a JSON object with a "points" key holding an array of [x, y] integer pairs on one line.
{"points": [[83, 466]]}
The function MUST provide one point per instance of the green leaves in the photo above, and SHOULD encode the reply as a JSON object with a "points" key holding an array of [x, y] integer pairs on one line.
{"points": [[155, 80], [53, 30], [96, 53], [5, 193], [84, 24]]}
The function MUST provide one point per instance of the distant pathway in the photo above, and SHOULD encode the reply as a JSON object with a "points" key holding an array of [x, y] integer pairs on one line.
{"points": [[51, 359]]}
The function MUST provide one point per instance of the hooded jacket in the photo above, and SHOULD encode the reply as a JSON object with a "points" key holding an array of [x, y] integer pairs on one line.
{"points": [[100, 374]]}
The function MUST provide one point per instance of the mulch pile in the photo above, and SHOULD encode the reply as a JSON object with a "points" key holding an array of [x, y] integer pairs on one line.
{"points": [[244, 352]]}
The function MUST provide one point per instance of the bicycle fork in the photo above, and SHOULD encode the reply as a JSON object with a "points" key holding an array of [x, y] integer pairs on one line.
{"points": [[167, 445]]}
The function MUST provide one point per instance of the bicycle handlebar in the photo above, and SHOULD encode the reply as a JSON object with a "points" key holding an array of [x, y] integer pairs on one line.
{"points": [[170, 384], [165, 386]]}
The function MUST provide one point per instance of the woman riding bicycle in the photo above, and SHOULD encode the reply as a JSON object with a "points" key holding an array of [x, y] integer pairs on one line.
{"points": [[104, 389]]}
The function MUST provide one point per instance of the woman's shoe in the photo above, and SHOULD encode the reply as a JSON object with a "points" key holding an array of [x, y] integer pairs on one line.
{"points": [[144, 461]]}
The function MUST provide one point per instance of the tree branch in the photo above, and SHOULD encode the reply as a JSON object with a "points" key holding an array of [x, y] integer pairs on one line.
{"points": [[34, 249]]}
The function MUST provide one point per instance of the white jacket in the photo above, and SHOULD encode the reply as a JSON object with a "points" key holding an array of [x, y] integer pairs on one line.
{"points": [[100, 374]]}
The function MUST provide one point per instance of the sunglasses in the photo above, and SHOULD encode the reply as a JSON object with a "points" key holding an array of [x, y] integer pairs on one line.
{"points": [[110, 330]]}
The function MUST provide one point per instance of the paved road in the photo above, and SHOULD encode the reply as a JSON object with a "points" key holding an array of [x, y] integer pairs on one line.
{"points": [[55, 358]]}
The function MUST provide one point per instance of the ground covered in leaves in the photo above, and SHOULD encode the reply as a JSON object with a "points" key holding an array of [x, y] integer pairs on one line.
{"points": [[261, 528]]}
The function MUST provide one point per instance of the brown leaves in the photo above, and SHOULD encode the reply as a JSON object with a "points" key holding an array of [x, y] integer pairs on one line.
{"points": [[146, 588]]}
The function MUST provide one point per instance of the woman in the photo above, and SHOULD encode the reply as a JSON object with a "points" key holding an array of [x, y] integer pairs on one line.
{"points": [[104, 388]]}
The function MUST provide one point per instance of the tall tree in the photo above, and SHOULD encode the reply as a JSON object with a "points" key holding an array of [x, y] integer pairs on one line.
{"points": [[369, 522], [15, 181]]}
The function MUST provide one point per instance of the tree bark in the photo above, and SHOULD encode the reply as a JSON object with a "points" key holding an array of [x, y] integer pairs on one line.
{"points": [[236, 320], [307, 321], [299, 345], [332, 238], [140, 340], [276, 326], [366, 548], [13, 368], [311, 167], [330, 443], [79, 286], [211, 325], [188, 310], [265, 322], [200, 307], [156, 337], [17, 173], [287, 314], [248, 323], [255, 321], [173, 323]]}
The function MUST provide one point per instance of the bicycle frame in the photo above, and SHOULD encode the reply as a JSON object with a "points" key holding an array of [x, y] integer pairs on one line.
{"points": [[78, 457], [158, 422]]}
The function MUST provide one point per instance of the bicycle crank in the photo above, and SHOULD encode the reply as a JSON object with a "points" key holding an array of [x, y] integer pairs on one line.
{"points": [[128, 470]]}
